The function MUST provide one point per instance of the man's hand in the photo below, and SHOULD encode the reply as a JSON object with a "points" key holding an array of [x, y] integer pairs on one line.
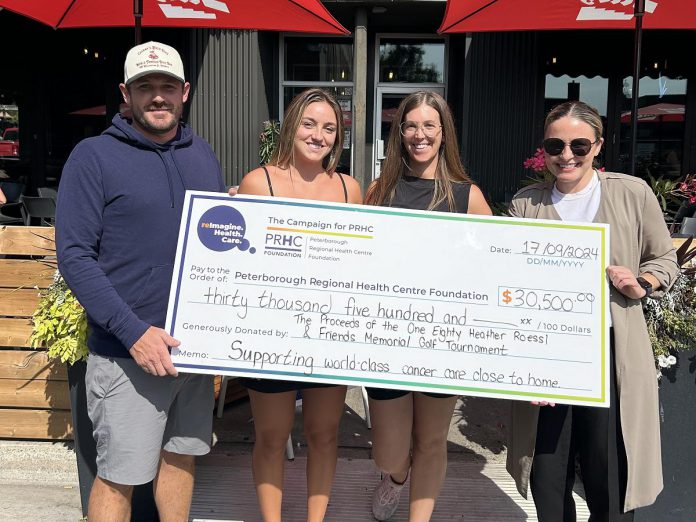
{"points": [[543, 403], [152, 354], [232, 191]]}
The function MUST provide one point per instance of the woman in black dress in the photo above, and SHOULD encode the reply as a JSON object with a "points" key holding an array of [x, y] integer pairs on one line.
{"points": [[422, 171]]}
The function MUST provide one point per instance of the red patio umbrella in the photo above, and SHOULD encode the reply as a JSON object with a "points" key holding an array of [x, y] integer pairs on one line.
{"points": [[308, 16], [463, 16], [100, 110], [659, 112]]}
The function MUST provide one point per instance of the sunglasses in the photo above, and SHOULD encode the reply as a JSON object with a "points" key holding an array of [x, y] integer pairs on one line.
{"points": [[578, 146]]}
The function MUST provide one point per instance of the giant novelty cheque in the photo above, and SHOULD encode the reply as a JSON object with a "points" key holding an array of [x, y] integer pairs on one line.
{"points": [[360, 295]]}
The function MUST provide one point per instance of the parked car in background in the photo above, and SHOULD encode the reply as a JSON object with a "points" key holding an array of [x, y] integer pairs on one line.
{"points": [[9, 144]]}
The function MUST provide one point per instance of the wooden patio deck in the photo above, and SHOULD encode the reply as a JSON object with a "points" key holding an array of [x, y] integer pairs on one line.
{"points": [[473, 492]]}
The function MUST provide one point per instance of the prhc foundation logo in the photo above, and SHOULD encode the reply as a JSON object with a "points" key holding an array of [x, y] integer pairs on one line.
{"points": [[222, 228], [200, 9], [286, 245], [611, 9]]}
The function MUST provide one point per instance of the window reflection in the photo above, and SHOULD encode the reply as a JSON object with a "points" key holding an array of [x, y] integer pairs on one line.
{"points": [[318, 60], [9, 138], [660, 138], [593, 91], [411, 61]]}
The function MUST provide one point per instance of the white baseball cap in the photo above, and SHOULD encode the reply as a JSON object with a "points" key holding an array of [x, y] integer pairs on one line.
{"points": [[152, 57]]}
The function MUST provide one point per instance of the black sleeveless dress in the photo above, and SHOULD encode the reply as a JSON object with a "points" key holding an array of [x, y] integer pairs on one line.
{"points": [[274, 385], [416, 194]]}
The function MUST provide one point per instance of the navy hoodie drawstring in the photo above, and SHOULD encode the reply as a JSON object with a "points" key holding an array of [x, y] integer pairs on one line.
{"points": [[178, 170]]}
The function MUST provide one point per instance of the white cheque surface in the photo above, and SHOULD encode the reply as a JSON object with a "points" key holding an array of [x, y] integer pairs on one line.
{"points": [[450, 303]]}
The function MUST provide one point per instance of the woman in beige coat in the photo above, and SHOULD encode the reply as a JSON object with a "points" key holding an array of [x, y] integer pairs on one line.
{"points": [[618, 447]]}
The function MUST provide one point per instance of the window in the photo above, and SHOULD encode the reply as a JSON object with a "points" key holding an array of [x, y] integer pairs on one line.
{"points": [[405, 60], [318, 60], [593, 91], [661, 117]]}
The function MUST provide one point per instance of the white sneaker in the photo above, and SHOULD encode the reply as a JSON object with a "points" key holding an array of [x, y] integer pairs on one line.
{"points": [[385, 499]]}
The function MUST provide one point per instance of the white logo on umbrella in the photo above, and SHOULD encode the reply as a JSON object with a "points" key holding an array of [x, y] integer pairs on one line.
{"points": [[192, 8], [606, 9]]}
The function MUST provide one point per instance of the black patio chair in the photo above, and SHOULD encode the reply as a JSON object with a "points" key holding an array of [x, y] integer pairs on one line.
{"points": [[47, 192], [11, 214], [12, 190], [38, 211], [688, 227]]}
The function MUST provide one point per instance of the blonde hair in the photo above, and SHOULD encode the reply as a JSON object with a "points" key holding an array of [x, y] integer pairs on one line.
{"points": [[284, 152], [578, 110], [449, 165]]}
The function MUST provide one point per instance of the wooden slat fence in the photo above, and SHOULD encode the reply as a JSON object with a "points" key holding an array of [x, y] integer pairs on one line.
{"points": [[34, 398]]}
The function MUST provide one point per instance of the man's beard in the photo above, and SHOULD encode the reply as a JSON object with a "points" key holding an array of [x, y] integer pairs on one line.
{"points": [[160, 126]]}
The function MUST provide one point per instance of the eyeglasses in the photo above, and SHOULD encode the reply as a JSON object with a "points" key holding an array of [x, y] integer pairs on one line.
{"points": [[429, 129], [578, 146]]}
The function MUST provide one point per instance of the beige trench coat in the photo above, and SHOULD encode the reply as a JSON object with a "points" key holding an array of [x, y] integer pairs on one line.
{"points": [[641, 242]]}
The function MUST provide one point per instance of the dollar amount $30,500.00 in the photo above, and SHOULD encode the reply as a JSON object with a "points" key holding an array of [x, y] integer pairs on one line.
{"points": [[552, 300]]}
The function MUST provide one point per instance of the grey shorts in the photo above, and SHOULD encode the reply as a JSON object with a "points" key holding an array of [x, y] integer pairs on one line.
{"points": [[135, 415]]}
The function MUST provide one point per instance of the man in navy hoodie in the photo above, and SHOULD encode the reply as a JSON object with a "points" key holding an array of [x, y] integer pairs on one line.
{"points": [[117, 222]]}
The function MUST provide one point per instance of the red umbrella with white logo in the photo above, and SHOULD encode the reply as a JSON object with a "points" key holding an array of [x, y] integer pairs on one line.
{"points": [[308, 16], [463, 16], [530, 15]]}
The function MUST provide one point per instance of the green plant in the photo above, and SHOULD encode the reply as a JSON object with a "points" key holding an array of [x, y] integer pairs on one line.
{"points": [[60, 324], [672, 320], [666, 192], [268, 140]]}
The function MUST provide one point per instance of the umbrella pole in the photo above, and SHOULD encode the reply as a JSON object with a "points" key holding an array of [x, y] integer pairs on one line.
{"points": [[638, 13], [138, 16]]}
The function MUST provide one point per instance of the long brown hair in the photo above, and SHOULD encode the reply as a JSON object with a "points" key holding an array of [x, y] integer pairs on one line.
{"points": [[449, 166], [283, 155]]}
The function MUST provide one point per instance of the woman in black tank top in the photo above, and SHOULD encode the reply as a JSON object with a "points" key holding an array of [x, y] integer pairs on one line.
{"points": [[422, 171], [303, 165]]}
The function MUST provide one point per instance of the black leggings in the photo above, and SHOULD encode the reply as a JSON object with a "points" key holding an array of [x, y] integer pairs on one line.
{"points": [[594, 435]]}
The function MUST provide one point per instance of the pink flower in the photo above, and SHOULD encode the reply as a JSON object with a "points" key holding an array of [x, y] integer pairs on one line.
{"points": [[686, 189], [537, 163]]}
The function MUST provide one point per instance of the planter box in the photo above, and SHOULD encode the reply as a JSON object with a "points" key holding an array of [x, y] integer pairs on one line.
{"points": [[677, 502], [34, 395]]}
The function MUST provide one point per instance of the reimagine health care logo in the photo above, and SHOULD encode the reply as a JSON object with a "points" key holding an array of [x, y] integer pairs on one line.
{"points": [[222, 228]]}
